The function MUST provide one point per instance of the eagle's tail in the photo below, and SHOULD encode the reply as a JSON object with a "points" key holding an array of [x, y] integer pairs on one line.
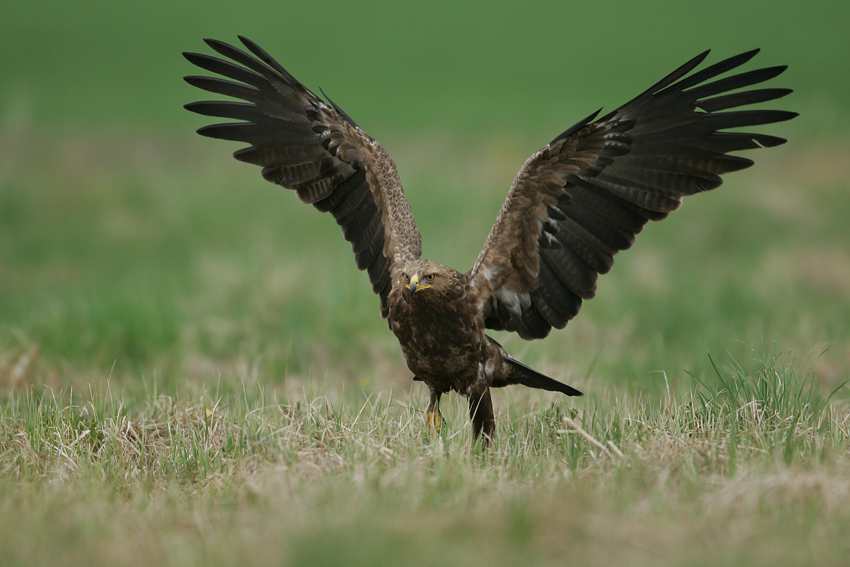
{"points": [[522, 374]]}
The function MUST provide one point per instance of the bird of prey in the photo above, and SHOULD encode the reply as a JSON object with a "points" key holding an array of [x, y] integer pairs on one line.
{"points": [[574, 204]]}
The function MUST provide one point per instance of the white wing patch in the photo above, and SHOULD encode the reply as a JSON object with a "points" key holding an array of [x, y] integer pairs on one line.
{"points": [[515, 302]]}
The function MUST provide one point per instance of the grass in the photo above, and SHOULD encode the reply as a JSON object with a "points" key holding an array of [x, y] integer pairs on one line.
{"points": [[129, 260], [706, 477], [193, 371]]}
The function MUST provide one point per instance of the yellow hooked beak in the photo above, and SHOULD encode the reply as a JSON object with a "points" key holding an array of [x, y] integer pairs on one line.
{"points": [[414, 286]]}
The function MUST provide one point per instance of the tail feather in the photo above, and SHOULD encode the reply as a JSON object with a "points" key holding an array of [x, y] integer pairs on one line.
{"points": [[522, 374]]}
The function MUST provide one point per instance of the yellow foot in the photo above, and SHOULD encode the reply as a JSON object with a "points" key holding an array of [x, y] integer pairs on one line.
{"points": [[435, 420]]}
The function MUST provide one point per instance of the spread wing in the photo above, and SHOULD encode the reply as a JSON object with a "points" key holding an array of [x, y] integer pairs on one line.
{"points": [[582, 198], [315, 149]]}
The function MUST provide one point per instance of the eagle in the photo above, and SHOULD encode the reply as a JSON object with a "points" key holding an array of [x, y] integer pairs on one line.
{"points": [[573, 205]]}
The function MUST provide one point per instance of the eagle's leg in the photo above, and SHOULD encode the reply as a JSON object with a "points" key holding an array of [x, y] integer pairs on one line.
{"points": [[481, 414], [434, 417]]}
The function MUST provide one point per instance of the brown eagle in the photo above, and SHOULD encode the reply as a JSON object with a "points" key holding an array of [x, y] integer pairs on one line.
{"points": [[573, 205]]}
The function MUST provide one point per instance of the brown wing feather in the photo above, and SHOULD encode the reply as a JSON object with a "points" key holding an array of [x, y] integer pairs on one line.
{"points": [[315, 149], [583, 197]]}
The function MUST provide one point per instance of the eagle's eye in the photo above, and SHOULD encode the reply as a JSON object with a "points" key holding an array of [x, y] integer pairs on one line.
{"points": [[406, 277], [430, 277]]}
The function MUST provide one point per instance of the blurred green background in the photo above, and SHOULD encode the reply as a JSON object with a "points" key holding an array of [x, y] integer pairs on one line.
{"points": [[447, 65], [132, 248]]}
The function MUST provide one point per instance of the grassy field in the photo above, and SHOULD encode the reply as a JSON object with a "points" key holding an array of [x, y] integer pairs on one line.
{"points": [[193, 372], [752, 474]]}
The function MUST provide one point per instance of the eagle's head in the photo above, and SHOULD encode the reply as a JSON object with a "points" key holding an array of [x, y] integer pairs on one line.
{"points": [[427, 279]]}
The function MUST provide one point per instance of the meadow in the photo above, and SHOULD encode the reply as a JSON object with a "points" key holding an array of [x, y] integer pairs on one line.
{"points": [[193, 372]]}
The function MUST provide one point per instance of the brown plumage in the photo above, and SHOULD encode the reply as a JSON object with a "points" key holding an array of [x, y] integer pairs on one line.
{"points": [[573, 205]]}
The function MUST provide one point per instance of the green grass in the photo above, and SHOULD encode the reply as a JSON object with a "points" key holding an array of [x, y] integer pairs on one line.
{"points": [[704, 478], [179, 268], [193, 371]]}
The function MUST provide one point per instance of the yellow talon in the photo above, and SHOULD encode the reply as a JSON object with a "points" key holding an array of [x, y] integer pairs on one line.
{"points": [[435, 420]]}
